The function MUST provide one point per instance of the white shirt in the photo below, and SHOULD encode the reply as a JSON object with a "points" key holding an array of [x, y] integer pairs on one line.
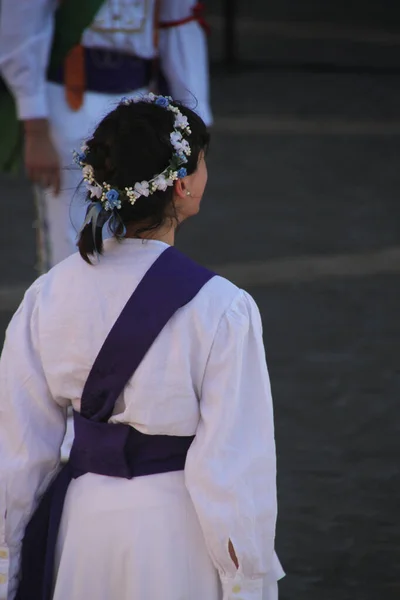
{"points": [[205, 375], [126, 25]]}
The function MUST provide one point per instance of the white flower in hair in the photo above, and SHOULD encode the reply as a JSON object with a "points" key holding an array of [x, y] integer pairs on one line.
{"points": [[95, 190], [181, 121], [178, 147], [161, 182], [175, 138], [142, 188], [185, 147], [173, 109], [132, 195], [88, 173]]}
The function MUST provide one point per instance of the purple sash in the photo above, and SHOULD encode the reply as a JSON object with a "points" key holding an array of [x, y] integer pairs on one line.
{"points": [[110, 72], [115, 450]]}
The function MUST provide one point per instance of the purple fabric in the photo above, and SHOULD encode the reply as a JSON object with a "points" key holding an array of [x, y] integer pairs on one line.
{"points": [[111, 72], [121, 451], [99, 448], [171, 282], [114, 450]]}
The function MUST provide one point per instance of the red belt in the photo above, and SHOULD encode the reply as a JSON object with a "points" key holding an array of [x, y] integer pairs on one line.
{"points": [[197, 15]]}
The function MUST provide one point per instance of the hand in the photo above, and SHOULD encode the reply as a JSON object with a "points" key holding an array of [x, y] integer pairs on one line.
{"points": [[42, 163]]}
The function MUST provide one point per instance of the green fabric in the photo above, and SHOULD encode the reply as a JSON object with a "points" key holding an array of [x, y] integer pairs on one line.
{"points": [[11, 146], [71, 19]]}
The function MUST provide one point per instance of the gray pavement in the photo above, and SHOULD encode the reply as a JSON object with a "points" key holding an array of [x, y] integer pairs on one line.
{"points": [[349, 35], [332, 350], [331, 342]]}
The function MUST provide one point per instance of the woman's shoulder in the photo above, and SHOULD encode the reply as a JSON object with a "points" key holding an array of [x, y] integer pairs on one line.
{"points": [[61, 285], [224, 298]]}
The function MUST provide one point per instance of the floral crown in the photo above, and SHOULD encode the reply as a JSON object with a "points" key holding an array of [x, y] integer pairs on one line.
{"points": [[111, 197]]}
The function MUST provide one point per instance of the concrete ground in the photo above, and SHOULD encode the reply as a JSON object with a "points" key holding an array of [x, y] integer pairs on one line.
{"points": [[302, 209]]}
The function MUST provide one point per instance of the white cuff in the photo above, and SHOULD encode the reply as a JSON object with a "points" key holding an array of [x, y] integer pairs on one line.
{"points": [[241, 588], [32, 107]]}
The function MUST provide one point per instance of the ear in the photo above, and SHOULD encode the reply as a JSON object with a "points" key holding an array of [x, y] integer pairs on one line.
{"points": [[180, 188]]}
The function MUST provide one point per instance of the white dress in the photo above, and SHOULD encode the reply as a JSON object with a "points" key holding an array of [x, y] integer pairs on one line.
{"points": [[164, 536]]}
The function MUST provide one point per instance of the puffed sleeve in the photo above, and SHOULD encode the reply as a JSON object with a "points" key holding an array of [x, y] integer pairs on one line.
{"points": [[26, 30], [184, 57], [231, 466], [32, 428]]}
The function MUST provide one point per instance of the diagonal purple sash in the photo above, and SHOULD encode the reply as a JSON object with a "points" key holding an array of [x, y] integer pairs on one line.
{"points": [[171, 282]]}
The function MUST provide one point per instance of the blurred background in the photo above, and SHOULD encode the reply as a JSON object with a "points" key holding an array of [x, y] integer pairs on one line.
{"points": [[302, 210]]}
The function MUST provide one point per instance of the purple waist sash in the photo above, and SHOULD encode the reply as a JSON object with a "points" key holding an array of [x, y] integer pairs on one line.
{"points": [[107, 449], [122, 451], [111, 71]]}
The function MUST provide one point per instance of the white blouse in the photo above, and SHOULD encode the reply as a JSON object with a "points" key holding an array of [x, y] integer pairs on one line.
{"points": [[205, 375], [125, 25]]}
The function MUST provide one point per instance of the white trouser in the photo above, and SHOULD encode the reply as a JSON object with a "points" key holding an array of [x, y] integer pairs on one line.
{"points": [[59, 218]]}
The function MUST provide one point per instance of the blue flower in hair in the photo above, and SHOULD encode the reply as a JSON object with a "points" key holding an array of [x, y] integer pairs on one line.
{"points": [[79, 158], [113, 199], [162, 101], [182, 173], [182, 158]]}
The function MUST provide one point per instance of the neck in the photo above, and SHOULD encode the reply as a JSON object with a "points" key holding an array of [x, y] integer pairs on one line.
{"points": [[165, 234]]}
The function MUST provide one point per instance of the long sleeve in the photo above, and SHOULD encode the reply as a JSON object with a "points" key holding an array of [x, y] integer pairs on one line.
{"points": [[231, 465], [184, 58], [32, 428], [26, 30]]}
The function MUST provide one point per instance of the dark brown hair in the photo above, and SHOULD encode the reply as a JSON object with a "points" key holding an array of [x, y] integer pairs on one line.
{"points": [[132, 144]]}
